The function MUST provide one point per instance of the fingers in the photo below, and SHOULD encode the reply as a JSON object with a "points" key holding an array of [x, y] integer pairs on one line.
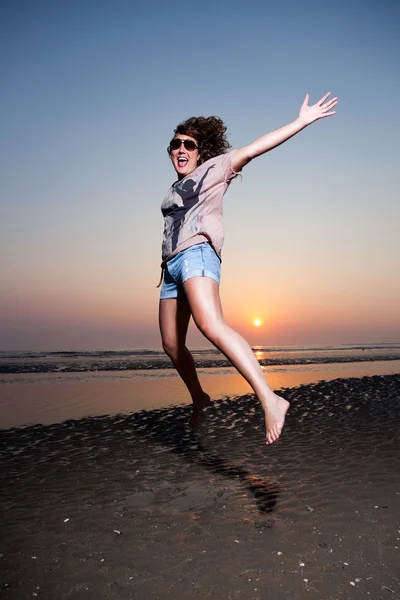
{"points": [[330, 104], [320, 102], [306, 99], [326, 109]]}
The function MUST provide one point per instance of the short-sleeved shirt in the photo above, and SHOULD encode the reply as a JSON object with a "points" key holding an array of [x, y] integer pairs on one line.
{"points": [[193, 207]]}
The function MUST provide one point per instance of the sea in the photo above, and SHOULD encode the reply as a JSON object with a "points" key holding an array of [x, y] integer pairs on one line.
{"points": [[54, 386]]}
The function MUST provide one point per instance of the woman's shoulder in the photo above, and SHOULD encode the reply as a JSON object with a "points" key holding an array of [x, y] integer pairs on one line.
{"points": [[224, 157], [222, 162]]}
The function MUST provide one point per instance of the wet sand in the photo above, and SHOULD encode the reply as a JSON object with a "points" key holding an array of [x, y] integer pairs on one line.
{"points": [[49, 398], [137, 506]]}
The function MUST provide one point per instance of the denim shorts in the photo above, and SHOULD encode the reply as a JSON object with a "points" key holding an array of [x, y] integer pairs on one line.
{"points": [[200, 260]]}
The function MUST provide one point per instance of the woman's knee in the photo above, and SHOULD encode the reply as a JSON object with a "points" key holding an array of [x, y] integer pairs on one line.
{"points": [[173, 348], [210, 328], [169, 346]]}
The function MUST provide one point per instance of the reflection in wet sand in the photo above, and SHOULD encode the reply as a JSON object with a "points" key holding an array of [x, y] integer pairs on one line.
{"points": [[52, 397]]}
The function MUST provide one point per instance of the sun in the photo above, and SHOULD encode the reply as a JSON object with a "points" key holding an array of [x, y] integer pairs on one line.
{"points": [[257, 322]]}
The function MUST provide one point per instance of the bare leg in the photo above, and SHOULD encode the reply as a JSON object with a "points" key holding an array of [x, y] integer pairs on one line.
{"points": [[174, 317], [205, 305]]}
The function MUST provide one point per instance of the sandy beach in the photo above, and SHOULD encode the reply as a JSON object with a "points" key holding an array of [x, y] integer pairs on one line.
{"points": [[136, 506]]}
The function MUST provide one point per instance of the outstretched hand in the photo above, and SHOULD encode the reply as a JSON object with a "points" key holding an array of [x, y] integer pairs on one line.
{"points": [[309, 114], [265, 143]]}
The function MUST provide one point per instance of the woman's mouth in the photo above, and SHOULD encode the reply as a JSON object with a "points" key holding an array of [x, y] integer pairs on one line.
{"points": [[182, 162]]}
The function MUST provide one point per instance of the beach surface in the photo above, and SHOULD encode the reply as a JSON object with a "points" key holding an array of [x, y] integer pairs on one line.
{"points": [[137, 506]]}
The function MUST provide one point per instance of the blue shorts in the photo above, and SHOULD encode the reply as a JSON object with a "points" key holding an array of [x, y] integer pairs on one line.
{"points": [[200, 260]]}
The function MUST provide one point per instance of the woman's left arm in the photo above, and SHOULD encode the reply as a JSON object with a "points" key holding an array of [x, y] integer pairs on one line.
{"points": [[307, 115]]}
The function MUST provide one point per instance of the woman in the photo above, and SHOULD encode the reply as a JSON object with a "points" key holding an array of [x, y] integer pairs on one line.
{"points": [[191, 252]]}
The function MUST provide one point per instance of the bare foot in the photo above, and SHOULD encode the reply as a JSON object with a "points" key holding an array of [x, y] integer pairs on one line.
{"points": [[275, 411], [198, 407]]}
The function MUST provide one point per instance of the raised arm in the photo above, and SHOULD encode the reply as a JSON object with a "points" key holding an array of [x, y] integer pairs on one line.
{"points": [[307, 115]]}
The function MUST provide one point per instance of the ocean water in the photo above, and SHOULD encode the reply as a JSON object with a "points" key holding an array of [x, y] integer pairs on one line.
{"points": [[155, 359], [51, 387]]}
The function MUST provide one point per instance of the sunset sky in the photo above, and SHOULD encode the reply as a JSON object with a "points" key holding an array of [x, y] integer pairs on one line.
{"points": [[90, 94]]}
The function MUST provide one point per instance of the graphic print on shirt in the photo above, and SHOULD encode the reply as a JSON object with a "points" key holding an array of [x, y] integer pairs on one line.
{"points": [[176, 212]]}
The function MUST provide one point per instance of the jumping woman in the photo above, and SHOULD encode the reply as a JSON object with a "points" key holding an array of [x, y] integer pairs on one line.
{"points": [[191, 251]]}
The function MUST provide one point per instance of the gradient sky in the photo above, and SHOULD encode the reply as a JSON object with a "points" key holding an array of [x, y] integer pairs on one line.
{"points": [[90, 94]]}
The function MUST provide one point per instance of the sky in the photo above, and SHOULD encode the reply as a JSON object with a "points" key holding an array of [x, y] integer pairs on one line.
{"points": [[91, 92]]}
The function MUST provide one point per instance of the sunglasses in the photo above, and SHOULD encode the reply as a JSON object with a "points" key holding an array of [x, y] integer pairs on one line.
{"points": [[176, 143]]}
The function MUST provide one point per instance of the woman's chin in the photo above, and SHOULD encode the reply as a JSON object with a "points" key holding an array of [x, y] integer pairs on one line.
{"points": [[183, 171]]}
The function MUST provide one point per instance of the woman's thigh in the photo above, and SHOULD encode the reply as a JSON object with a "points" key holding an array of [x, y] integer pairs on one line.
{"points": [[202, 294], [174, 317]]}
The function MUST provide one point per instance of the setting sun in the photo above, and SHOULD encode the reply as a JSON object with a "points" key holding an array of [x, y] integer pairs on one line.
{"points": [[257, 322]]}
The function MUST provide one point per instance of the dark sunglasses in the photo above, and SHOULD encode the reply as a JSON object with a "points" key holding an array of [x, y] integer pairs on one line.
{"points": [[177, 143]]}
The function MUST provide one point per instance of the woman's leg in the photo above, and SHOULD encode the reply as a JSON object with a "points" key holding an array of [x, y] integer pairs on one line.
{"points": [[203, 297], [174, 317]]}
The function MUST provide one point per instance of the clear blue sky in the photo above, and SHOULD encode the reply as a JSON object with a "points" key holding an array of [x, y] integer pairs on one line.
{"points": [[91, 92]]}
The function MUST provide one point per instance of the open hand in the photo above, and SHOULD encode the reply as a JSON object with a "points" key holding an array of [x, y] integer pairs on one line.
{"points": [[309, 114]]}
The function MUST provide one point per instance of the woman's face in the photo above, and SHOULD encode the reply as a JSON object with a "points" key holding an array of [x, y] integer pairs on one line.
{"points": [[184, 159]]}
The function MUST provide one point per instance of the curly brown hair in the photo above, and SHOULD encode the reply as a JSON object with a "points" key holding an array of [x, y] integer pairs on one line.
{"points": [[210, 134]]}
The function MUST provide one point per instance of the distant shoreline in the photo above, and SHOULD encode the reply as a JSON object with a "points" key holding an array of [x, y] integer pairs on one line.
{"points": [[13, 365]]}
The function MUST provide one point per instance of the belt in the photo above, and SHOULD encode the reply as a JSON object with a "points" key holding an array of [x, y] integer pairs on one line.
{"points": [[162, 274]]}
